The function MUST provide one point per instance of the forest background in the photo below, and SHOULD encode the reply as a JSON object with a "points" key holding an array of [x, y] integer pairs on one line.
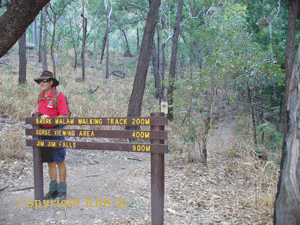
{"points": [[230, 61]]}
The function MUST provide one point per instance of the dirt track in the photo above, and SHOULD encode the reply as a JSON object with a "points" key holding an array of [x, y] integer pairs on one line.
{"points": [[194, 193], [107, 176]]}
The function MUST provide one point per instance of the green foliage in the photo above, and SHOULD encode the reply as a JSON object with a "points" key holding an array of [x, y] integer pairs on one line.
{"points": [[273, 138], [133, 205], [233, 154], [63, 81], [190, 132], [262, 21], [9, 67], [223, 45], [92, 97], [2, 10]]}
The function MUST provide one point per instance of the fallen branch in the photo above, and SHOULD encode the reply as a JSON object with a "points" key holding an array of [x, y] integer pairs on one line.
{"points": [[22, 189], [1, 189], [135, 159]]}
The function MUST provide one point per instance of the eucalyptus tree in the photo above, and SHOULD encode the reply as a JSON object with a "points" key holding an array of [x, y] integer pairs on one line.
{"points": [[41, 25], [173, 60], [22, 59], [191, 11], [155, 61], [122, 28], [72, 32], [84, 31], [108, 8], [94, 12], [287, 199], [289, 61], [44, 40], [136, 98], [267, 22], [16, 19], [54, 12], [288, 196], [245, 63], [126, 17], [228, 60], [282, 33], [96, 9]]}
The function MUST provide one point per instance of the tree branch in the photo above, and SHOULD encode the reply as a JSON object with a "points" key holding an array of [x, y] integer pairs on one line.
{"points": [[15, 21]]}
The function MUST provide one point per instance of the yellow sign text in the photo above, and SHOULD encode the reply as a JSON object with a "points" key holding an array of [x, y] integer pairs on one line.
{"points": [[43, 132], [138, 134], [40, 121], [117, 121], [70, 133], [64, 121], [65, 144], [141, 148], [86, 133], [90, 121], [40, 144], [142, 121]]}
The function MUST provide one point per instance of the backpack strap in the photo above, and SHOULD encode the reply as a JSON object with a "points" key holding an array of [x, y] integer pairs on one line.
{"points": [[55, 96]]}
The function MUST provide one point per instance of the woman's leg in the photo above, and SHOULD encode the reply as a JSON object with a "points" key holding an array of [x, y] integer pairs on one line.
{"points": [[62, 171], [52, 171]]}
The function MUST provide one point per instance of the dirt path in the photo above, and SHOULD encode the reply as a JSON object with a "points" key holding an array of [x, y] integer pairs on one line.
{"points": [[107, 176], [194, 193]]}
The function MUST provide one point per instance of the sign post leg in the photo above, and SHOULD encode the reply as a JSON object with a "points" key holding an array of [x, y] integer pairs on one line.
{"points": [[157, 180], [38, 170]]}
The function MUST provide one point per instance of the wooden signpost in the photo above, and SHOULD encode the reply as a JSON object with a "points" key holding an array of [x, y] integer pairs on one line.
{"points": [[156, 147]]}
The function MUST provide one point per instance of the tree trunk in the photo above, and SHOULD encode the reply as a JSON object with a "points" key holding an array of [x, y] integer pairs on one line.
{"points": [[163, 69], [41, 35], [22, 59], [74, 44], [107, 49], [289, 58], [14, 22], [33, 37], [207, 123], [76, 57], [95, 43], [252, 114], [52, 50], [137, 38], [136, 99], [104, 43], [44, 49], [159, 53], [156, 72], [173, 61], [287, 204], [36, 37], [84, 29], [194, 49], [128, 53]]}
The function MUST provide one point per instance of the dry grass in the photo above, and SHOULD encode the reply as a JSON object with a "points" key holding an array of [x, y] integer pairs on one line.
{"points": [[11, 143], [234, 187]]}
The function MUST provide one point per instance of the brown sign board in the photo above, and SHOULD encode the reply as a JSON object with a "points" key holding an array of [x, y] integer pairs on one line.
{"points": [[127, 121], [157, 148], [136, 134], [148, 148]]}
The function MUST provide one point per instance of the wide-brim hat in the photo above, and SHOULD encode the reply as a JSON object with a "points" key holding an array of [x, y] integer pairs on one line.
{"points": [[47, 75]]}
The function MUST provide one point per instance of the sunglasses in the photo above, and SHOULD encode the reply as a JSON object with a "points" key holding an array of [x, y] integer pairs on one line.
{"points": [[42, 81]]}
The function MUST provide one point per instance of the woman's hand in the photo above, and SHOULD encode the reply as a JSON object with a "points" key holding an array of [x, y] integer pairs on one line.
{"points": [[33, 112], [43, 117]]}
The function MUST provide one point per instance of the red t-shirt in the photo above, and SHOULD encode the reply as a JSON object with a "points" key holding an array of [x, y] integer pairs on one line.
{"points": [[47, 107]]}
